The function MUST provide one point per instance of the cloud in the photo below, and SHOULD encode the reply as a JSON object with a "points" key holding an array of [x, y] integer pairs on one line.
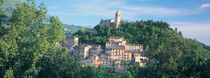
{"points": [[204, 6], [60, 13], [195, 30], [108, 8], [53, 7]]}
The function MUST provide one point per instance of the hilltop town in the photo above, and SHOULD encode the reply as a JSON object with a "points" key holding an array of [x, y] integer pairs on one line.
{"points": [[35, 44], [117, 51]]}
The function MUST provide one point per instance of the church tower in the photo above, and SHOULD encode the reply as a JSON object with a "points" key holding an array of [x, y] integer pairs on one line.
{"points": [[117, 19]]}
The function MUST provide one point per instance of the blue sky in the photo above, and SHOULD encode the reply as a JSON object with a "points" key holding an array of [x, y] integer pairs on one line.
{"points": [[192, 17]]}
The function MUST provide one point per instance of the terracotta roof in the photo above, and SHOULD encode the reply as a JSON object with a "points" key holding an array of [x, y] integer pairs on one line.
{"points": [[93, 55]]}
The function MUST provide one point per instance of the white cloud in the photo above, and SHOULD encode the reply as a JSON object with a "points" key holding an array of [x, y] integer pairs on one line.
{"points": [[53, 7], [108, 8], [198, 31], [204, 6], [57, 13]]}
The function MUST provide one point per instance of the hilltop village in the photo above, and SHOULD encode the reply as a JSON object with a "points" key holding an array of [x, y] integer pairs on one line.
{"points": [[117, 52], [35, 44]]}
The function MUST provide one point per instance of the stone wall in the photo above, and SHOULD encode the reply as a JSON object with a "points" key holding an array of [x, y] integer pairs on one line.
{"points": [[71, 41]]}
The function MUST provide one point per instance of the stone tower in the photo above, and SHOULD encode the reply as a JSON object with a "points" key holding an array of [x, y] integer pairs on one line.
{"points": [[117, 19]]}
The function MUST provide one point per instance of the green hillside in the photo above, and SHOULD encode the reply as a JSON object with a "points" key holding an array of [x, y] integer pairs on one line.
{"points": [[71, 28], [139, 32], [171, 55]]}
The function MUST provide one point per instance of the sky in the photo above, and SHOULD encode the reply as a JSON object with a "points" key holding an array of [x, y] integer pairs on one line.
{"points": [[191, 17]]}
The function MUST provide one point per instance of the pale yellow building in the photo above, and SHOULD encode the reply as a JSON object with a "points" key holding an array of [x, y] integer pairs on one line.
{"points": [[117, 19], [116, 51], [88, 50]]}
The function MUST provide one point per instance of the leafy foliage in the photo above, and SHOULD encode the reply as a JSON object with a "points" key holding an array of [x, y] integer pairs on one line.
{"points": [[28, 48], [28, 39]]}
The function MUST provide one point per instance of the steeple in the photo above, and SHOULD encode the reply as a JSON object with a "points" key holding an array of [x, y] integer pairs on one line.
{"points": [[117, 19]]}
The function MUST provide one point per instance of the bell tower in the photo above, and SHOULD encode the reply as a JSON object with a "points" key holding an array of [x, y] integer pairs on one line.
{"points": [[117, 19]]}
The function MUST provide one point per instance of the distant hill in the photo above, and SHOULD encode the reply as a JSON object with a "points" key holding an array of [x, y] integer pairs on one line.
{"points": [[8, 6], [70, 29]]}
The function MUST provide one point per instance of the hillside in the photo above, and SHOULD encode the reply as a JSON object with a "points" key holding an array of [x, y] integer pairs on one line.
{"points": [[71, 29], [171, 55], [139, 32], [9, 5]]}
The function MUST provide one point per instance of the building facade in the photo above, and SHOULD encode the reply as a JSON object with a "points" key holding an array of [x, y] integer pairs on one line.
{"points": [[88, 50], [112, 22], [71, 41], [118, 49], [115, 52]]}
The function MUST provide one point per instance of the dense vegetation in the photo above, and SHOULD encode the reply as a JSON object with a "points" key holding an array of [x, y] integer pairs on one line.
{"points": [[139, 32], [28, 48], [170, 54]]}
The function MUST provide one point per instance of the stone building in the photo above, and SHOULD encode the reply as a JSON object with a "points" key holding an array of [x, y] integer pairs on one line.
{"points": [[71, 41], [107, 23], [117, 19], [88, 50], [112, 22], [139, 59], [96, 61], [117, 48], [116, 51]]}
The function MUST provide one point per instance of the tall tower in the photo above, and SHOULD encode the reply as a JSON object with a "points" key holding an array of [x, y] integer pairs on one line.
{"points": [[117, 19]]}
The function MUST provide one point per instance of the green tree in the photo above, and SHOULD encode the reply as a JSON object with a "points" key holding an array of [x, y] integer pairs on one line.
{"points": [[80, 34], [28, 39], [126, 74], [9, 73]]}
